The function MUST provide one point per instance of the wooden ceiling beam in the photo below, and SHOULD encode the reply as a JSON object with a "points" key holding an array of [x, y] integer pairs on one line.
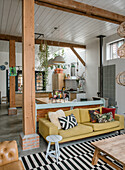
{"points": [[38, 41], [60, 44], [10, 37], [78, 56], [83, 9]]}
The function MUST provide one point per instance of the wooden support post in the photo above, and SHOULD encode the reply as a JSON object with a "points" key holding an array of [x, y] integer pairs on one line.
{"points": [[12, 62], [29, 122], [78, 56]]}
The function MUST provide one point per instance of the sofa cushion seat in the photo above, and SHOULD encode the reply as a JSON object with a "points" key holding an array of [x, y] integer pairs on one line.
{"points": [[78, 130], [103, 126]]}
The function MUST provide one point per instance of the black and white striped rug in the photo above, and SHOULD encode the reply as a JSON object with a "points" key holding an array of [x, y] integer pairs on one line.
{"points": [[73, 157]]}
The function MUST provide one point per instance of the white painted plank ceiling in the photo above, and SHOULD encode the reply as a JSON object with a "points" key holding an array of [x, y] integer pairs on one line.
{"points": [[72, 28]]}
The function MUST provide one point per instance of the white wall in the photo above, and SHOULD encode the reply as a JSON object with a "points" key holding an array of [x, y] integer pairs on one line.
{"points": [[4, 56], [120, 67], [92, 62]]}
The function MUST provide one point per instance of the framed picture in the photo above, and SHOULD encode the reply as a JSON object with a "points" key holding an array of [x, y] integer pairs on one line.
{"points": [[13, 71]]}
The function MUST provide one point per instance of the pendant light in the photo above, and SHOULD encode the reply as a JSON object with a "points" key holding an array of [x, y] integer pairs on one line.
{"points": [[121, 33], [120, 79], [59, 58], [121, 51], [43, 45], [121, 30], [50, 62]]}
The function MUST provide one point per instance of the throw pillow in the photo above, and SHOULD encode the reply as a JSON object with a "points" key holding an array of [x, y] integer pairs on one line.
{"points": [[93, 117], [109, 117], [106, 117], [107, 110], [53, 116], [68, 122], [101, 118]]}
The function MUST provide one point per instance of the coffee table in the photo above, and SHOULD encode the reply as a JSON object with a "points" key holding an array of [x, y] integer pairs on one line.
{"points": [[113, 147]]}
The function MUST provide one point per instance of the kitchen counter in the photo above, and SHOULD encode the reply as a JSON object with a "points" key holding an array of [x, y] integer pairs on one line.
{"points": [[76, 92], [43, 109], [43, 91], [48, 101], [38, 94]]}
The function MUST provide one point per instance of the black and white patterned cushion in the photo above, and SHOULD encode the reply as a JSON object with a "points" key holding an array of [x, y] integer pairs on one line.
{"points": [[68, 122]]}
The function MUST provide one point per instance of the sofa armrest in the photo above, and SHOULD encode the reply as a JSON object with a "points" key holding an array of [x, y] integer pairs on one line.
{"points": [[47, 128], [120, 118]]}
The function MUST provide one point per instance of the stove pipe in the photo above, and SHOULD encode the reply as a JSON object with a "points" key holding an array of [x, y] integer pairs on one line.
{"points": [[101, 64]]}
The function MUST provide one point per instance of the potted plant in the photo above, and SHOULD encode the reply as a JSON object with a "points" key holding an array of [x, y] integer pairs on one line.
{"points": [[57, 69], [43, 62], [61, 69]]}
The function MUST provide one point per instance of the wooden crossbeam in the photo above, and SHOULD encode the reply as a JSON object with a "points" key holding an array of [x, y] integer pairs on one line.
{"points": [[83, 9], [78, 56], [38, 41], [108, 162]]}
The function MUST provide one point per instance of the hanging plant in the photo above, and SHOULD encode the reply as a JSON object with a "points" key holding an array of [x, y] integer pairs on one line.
{"points": [[43, 61]]}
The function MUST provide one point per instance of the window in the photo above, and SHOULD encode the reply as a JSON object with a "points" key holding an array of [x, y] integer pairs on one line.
{"points": [[112, 49]]}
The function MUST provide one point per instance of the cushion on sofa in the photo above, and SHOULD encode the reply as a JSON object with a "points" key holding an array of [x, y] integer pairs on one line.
{"points": [[107, 110], [53, 116], [78, 130], [103, 118], [68, 122], [75, 112], [103, 126], [93, 117], [84, 114]]}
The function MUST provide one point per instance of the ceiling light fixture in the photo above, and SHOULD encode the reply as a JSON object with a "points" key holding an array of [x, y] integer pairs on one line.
{"points": [[121, 33], [58, 59], [50, 62]]}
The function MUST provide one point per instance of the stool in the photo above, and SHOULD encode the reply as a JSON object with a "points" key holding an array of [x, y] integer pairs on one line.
{"points": [[55, 139]]}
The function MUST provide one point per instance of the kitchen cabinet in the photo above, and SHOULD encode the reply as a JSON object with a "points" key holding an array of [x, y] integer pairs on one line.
{"points": [[58, 81]]}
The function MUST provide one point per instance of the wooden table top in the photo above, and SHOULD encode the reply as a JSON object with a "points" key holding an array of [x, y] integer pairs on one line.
{"points": [[114, 147]]}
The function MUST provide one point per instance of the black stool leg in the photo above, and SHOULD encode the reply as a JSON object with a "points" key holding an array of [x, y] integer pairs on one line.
{"points": [[119, 132]]}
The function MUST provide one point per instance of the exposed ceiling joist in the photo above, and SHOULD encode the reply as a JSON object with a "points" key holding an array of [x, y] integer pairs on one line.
{"points": [[83, 9], [39, 41], [60, 44], [78, 56]]}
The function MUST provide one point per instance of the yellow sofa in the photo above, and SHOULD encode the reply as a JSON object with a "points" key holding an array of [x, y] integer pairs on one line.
{"points": [[84, 129]]}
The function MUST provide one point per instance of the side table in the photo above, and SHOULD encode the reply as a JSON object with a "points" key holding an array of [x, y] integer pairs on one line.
{"points": [[55, 139]]}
